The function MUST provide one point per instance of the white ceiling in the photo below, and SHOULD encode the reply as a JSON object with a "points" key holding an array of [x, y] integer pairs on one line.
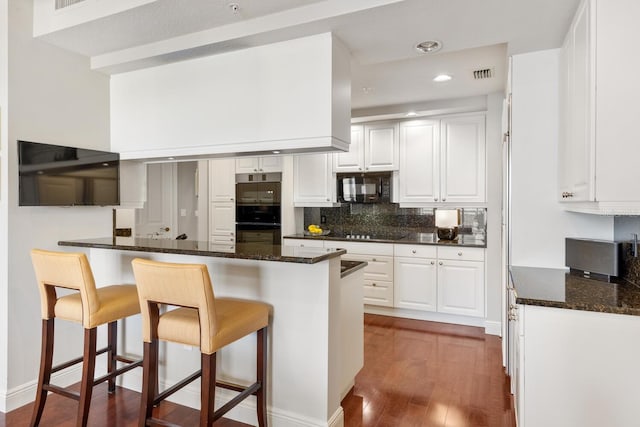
{"points": [[381, 35]]}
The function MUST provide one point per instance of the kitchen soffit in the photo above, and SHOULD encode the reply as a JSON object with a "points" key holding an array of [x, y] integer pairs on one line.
{"points": [[381, 35]]}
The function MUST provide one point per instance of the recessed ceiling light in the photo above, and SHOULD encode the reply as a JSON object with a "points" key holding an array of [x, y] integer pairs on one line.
{"points": [[411, 114], [442, 78], [429, 46], [276, 152], [170, 158]]}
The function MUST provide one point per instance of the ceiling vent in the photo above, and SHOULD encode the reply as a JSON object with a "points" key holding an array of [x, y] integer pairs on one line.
{"points": [[61, 4], [485, 73]]}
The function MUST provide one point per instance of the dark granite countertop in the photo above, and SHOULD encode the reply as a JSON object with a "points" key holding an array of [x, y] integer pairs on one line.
{"points": [[548, 287], [402, 238], [348, 267], [262, 252]]}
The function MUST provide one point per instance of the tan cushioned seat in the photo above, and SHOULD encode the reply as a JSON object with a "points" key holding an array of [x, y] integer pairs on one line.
{"points": [[236, 319], [116, 302]]}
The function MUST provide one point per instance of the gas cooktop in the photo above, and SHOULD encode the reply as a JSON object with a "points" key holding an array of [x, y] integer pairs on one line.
{"points": [[376, 235]]}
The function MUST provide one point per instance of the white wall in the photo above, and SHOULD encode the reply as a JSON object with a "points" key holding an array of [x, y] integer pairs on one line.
{"points": [[52, 98], [4, 301], [539, 225], [494, 209]]}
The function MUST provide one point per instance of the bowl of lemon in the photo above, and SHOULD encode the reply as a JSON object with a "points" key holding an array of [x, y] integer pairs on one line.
{"points": [[314, 230]]}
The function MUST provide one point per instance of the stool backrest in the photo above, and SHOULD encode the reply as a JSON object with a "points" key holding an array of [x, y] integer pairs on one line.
{"points": [[64, 270], [185, 285]]}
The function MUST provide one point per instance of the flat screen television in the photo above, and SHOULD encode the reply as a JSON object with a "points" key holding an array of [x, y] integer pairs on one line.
{"points": [[54, 175]]}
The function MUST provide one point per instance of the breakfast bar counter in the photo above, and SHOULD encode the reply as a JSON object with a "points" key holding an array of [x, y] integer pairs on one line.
{"points": [[316, 326]]}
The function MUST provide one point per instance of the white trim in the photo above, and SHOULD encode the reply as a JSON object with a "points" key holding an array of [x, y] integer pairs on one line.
{"points": [[245, 412], [25, 393], [426, 315], [603, 208], [493, 327]]}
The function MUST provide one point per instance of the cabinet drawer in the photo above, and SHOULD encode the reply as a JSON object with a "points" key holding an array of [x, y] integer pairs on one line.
{"points": [[223, 238], [378, 292], [229, 248], [378, 267], [304, 243], [415, 251], [361, 248], [458, 253]]}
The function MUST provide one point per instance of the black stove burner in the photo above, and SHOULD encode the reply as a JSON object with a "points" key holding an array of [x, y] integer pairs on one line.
{"points": [[390, 235]]}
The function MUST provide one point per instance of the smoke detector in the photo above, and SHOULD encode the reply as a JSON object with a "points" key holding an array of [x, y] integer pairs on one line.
{"points": [[429, 46]]}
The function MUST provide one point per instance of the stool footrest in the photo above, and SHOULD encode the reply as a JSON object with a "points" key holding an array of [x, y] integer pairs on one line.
{"points": [[131, 365], [75, 361], [168, 392], [61, 391], [252, 389]]}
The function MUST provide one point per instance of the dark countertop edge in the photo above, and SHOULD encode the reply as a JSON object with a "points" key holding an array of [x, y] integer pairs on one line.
{"points": [[596, 308], [359, 266], [279, 258], [404, 241]]}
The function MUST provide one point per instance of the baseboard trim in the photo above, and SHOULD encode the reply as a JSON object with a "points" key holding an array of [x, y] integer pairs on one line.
{"points": [[25, 393], [492, 327], [245, 412]]}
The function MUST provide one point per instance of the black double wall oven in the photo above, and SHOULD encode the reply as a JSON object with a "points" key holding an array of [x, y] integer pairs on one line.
{"points": [[258, 210]]}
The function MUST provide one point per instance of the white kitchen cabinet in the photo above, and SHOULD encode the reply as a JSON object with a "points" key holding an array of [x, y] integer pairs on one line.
{"points": [[379, 272], [415, 277], [259, 164], [576, 170], [133, 184], [314, 183], [579, 368], [222, 180], [442, 161], [419, 173], [599, 147], [222, 205], [463, 159], [374, 147], [304, 243], [461, 281]]}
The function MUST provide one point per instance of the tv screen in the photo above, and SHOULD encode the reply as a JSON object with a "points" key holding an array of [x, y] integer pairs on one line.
{"points": [[54, 175]]}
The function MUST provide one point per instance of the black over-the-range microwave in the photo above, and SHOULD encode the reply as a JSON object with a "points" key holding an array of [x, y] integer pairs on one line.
{"points": [[371, 187]]}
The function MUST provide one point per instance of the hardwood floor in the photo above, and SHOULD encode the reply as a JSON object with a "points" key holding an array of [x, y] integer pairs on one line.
{"points": [[416, 374]]}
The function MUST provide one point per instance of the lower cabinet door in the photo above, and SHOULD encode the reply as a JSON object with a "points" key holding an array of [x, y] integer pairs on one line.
{"points": [[415, 283], [461, 287]]}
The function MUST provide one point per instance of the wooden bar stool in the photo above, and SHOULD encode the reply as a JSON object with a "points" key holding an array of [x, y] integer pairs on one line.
{"points": [[91, 307], [199, 320]]}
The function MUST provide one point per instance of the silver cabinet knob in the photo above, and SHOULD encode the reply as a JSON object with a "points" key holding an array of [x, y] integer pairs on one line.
{"points": [[374, 285], [435, 199], [444, 200], [328, 200], [433, 262], [231, 199], [413, 251], [440, 263], [459, 253], [373, 259]]}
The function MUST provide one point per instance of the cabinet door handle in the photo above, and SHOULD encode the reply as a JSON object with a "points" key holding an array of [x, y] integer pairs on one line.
{"points": [[433, 262], [413, 251], [231, 199], [440, 263], [459, 253], [435, 199], [444, 200], [373, 284], [373, 259], [328, 199]]}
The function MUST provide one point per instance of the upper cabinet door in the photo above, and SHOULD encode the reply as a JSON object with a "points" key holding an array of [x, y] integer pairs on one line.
{"points": [[463, 159], [222, 180], [259, 164], [381, 147], [374, 148], [352, 160], [419, 175], [314, 184]]}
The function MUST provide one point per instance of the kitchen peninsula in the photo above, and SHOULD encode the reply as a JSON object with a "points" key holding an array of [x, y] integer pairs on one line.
{"points": [[316, 329]]}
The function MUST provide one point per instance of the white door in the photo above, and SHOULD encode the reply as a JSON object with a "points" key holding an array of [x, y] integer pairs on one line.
{"points": [[461, 287], [313, 182], [463, 159], [419, 162], [270, 164], [247, 164], [222, 180], [352, 160], [415, 283], [157, 219], [381, 147], [223, 221]]}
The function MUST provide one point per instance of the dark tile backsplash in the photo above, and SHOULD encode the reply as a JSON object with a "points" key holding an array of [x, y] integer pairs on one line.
{"points": [[388, 217]]}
